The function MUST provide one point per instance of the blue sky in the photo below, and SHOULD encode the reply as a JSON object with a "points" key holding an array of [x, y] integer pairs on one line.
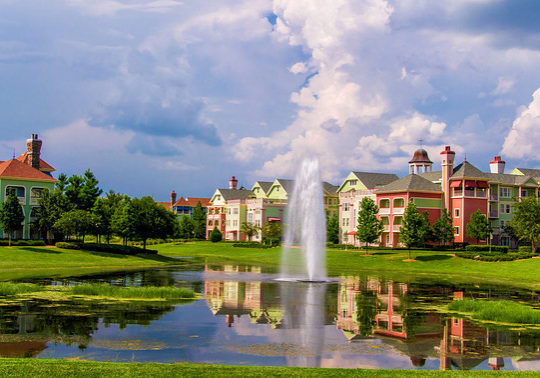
{"points": [[164, 94]]}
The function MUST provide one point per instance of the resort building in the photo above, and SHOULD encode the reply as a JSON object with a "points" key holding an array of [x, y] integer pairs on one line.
{"points": [[26, 176], [185, 206]]}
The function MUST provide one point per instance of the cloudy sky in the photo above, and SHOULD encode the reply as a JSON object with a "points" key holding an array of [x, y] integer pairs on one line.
{"points": [[155, 95]]}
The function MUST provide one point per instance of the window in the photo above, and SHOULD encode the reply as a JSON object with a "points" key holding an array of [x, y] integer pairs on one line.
{"points": [[457, 231], [277, 188], [235, 223], [18, 191], [345, 207], [505, 240], [250, 217], [353, 182], [210, 222], [502, 224], [385, 221], [388, 238], [505, 209], [385, 203], [399, 202], [524, 193], [216, 223], [235, 210], [456, 213], [505, 192]]}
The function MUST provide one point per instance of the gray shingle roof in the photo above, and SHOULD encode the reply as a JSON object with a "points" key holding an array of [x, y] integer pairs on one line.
{"points": [[232, 194], [432, 176], [411, 183], [467, 170], [372, 180], [508, 179], [288, 185], [530, 172], [330, 189], [265, 185]]}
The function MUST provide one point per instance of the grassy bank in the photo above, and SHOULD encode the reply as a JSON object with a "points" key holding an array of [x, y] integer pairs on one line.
{"points": [[497, 311], [47, 262], [61, 368], [436, 266]]}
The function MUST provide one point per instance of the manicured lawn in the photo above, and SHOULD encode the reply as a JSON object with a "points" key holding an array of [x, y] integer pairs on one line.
{"points": [[11, 367], [47, 262], [429, 266]]}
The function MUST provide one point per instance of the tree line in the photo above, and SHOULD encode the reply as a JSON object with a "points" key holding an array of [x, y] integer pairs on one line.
{"points": [[77, 207]]}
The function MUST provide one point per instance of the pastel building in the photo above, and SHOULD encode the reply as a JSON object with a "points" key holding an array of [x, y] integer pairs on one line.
{"points": [[26, 176]]}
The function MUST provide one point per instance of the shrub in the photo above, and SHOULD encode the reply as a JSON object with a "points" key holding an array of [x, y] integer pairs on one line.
{"points": [[215, 235], [68, 245], [23, 243], [117, 248], [525, 248], [496, 256], [485, 248], [251, 245]]}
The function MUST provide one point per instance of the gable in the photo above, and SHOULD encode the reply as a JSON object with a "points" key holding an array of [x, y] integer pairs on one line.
{"points": [[352, 182]]}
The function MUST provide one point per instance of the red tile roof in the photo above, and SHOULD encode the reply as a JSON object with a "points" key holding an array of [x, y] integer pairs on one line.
{"points": [[16, 169], [43, 165], [166, 205], [192, 201]]}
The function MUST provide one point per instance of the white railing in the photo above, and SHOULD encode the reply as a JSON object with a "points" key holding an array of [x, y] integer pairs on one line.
{"points": [[384, 211], [396, 227], [399, 210]]}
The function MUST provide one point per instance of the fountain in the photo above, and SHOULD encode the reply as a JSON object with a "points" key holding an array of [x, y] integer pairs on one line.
{"points": [[304, 250]]}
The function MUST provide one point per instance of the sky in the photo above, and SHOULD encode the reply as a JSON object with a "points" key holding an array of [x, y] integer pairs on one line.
{"points": [[161, 95]]}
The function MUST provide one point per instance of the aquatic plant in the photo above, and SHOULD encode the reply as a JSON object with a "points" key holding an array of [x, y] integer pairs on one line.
{"points": [[498, 311], [10, 288], [154, 292]]}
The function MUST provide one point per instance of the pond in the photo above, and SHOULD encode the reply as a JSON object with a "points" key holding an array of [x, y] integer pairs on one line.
{"points": [[245, 317]]}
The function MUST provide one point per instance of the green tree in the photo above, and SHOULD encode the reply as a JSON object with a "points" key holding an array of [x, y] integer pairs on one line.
{"points": [[82, 191], [11, 215], [272, 233], [478, 227], [369, 228], [216, 235], [199, 222], [526, 222], [249, 229], [77, 222], [121, 220], [414, 228], [443, 228], [186, 227], [332, 229]]}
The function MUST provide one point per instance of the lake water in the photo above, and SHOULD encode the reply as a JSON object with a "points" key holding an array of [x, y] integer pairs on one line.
{"points": [[247, 318]]}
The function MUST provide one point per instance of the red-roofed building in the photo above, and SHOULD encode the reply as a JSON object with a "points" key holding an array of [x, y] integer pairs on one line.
{"points": [[26, 177], [184, 206]]}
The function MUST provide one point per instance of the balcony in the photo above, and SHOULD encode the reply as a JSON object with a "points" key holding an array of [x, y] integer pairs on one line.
{"points": [[384, 211], [396, 227], [493, 214], [386, 228], [493, 197], [399, 210]]}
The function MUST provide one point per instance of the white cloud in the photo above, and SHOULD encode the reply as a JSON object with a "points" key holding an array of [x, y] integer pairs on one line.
{"points": [[521, 141], [504, 85]]}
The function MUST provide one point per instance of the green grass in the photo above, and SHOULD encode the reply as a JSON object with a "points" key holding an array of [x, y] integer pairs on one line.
{"points": [[12, 367], [497, 311], [9, 288], [19, 263], [153, 292], [429, 266]]}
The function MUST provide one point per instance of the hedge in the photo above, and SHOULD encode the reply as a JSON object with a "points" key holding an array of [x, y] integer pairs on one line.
{"points": [[491, 257], [486, 248], [23, 243], [251, 245], [110, 248]]}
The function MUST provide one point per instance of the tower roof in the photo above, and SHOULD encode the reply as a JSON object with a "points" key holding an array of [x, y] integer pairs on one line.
{"points": [[420, 156]]}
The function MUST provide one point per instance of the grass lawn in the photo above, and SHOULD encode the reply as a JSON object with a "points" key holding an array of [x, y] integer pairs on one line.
{"points": [[47, 262], [11, 367], [429, 266]]}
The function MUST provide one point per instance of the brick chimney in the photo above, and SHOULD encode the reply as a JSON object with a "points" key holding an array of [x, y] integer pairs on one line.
{"points": [[33, 147], [497, 165], [233, 182], [447, 164], [173, 197]]}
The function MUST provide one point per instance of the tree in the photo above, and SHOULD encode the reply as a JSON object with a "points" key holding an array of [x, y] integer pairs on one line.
{"points": [[77, 222], [478, 227], [272, 233], [120, 221], [369, 228], [11, 215], [249, 229], [332, 229], [199, 222], [413, 229], [216, 235], [82, 191], [526, 222], [443, 228], [186, 227]]}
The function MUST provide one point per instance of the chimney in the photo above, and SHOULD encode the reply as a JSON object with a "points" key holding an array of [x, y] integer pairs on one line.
{"points": [[33, 147], [497, 165], [447, 164], [173, 197], [233, 182]]}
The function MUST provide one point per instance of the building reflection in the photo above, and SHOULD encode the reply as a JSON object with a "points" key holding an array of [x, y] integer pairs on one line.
{"points": [[372, 308]]}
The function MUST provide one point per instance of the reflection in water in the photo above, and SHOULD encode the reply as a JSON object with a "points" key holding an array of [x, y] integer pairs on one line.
{"points": [[360, 322], [303, 320]]}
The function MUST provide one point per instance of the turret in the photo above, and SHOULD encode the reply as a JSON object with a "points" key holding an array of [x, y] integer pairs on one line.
{"points": [[447, 163], [33, 147], [497, 165], [420, 162], [233, 182]]}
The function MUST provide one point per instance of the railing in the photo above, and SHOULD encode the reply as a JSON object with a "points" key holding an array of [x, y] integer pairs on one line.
{"points": [[493, 197], [396, 227], [399, 210], [386, 228], [22, 200], [384, 210], [469, 193]]}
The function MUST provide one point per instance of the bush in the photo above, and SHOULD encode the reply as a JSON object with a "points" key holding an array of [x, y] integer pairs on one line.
{"points": [[251, 245], [525, 248], [492, 257], [215, 235], [68, 245], [485, 248]]}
